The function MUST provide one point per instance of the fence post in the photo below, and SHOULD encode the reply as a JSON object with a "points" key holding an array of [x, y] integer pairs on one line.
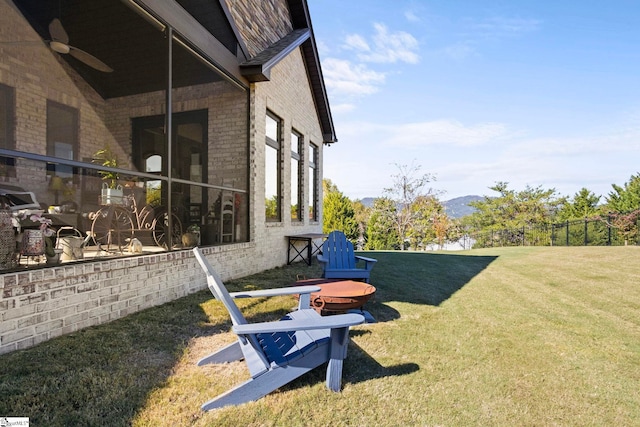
{"points": [[567, 237], [609, 230], [586, 226]]}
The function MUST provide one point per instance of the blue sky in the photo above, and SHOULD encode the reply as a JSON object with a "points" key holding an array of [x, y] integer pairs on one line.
{"points": [[538, 93]]}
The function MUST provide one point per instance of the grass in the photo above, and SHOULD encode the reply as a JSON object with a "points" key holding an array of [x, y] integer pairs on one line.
{"points": [[501, 337]]}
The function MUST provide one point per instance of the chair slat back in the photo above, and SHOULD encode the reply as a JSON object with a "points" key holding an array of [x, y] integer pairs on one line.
{"points": [[252, 350], [218, 289], [339, 251]]}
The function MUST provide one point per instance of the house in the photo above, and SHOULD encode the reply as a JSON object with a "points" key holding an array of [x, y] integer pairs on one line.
{"points": [[86, 93]]}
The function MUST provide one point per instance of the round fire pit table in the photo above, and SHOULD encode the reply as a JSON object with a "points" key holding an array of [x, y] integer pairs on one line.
{"points": [[339, 296]]}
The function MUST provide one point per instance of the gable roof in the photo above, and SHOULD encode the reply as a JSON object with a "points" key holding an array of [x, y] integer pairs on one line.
{"points": [[258, 68]]}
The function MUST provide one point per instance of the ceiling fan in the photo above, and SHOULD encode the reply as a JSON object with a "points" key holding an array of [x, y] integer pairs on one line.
{"points": [[60, 43]]}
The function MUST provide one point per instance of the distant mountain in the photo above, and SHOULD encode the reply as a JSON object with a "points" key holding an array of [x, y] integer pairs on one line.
{"points": [[459, 207], [368, 201], [455, 208]]}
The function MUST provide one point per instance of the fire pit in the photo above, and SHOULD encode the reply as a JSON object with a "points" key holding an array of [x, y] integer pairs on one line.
{"points": [[339, 296]]}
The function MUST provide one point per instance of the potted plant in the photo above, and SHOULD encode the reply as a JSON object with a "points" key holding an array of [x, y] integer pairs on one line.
{"points": [[112, 193], [52, 253], [40, 240]]}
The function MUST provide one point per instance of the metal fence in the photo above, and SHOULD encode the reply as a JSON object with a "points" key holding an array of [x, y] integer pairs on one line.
{"points": [[587, 232]]}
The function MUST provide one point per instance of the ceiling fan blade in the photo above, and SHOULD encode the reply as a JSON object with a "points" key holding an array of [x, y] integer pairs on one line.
{"points": [[89, 59], [57, 32]]}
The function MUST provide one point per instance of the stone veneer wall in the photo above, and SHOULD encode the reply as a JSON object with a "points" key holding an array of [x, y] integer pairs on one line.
{"points": [[260, 22], [41, 304]]}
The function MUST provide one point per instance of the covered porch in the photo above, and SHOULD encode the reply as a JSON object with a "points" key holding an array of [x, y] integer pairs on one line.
{"points": [[94, 123]]}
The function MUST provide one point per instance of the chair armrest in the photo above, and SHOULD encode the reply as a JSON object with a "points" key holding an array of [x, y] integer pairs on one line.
{"points": [[328, 322], [322, 259], [293, 290], [365, 259], [368, 262]]}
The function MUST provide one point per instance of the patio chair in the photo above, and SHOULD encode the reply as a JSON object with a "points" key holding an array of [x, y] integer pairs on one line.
{"points": [[278, 352], [339, 261]]}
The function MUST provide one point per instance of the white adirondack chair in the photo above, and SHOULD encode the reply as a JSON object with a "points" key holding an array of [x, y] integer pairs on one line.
{"points": [[278, 352]]}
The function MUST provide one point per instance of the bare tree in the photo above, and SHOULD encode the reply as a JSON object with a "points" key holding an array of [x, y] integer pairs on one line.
{"points": [[409, 184]]}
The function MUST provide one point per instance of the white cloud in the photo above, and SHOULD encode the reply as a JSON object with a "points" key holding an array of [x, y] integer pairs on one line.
{"points": [[411, 16], [566, 164], [468, 159], [356, 42], [323, 48], [448, 132], [500, 26], [428, 133], [342, 108], [476, 32], [592, 146], [347, 78], [458, 51], [388, 47]]}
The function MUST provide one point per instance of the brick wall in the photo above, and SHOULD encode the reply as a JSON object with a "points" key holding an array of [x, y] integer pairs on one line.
{"points": [[41, 304], [293, 103]]}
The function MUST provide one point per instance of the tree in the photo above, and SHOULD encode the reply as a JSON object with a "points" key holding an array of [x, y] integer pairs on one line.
{"points": [[362, 214], [271, 207], [627, 225], [583, 205], [512, 211], [441, 226], [381, 232], [578, 221], [329, 187], [625, 203], [408, 186], [429, 222], [625, 199], [338, 213]]}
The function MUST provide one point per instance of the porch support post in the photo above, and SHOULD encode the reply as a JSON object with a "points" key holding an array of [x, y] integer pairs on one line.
{"points": [[169, 136]]}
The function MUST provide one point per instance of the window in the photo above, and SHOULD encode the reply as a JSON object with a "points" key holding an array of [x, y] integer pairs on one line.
{"points": [[296, 177], [7, 102], [313, 182], [272, 169], [188, 162], [62, 136]]}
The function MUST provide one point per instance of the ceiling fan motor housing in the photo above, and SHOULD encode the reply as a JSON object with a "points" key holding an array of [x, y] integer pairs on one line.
{"points": [[59, 47]]}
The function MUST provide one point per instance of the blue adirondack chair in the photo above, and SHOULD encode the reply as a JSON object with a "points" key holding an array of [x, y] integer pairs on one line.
{"points": [[278, 352], [339, 261]]}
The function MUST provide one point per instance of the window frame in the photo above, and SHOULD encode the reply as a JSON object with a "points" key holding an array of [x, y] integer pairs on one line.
{"points": [[276, 145], [297, 176], [313, 182]]}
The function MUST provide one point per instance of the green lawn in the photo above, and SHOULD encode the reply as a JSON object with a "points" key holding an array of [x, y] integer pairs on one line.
{"points": [[500, 337]]}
